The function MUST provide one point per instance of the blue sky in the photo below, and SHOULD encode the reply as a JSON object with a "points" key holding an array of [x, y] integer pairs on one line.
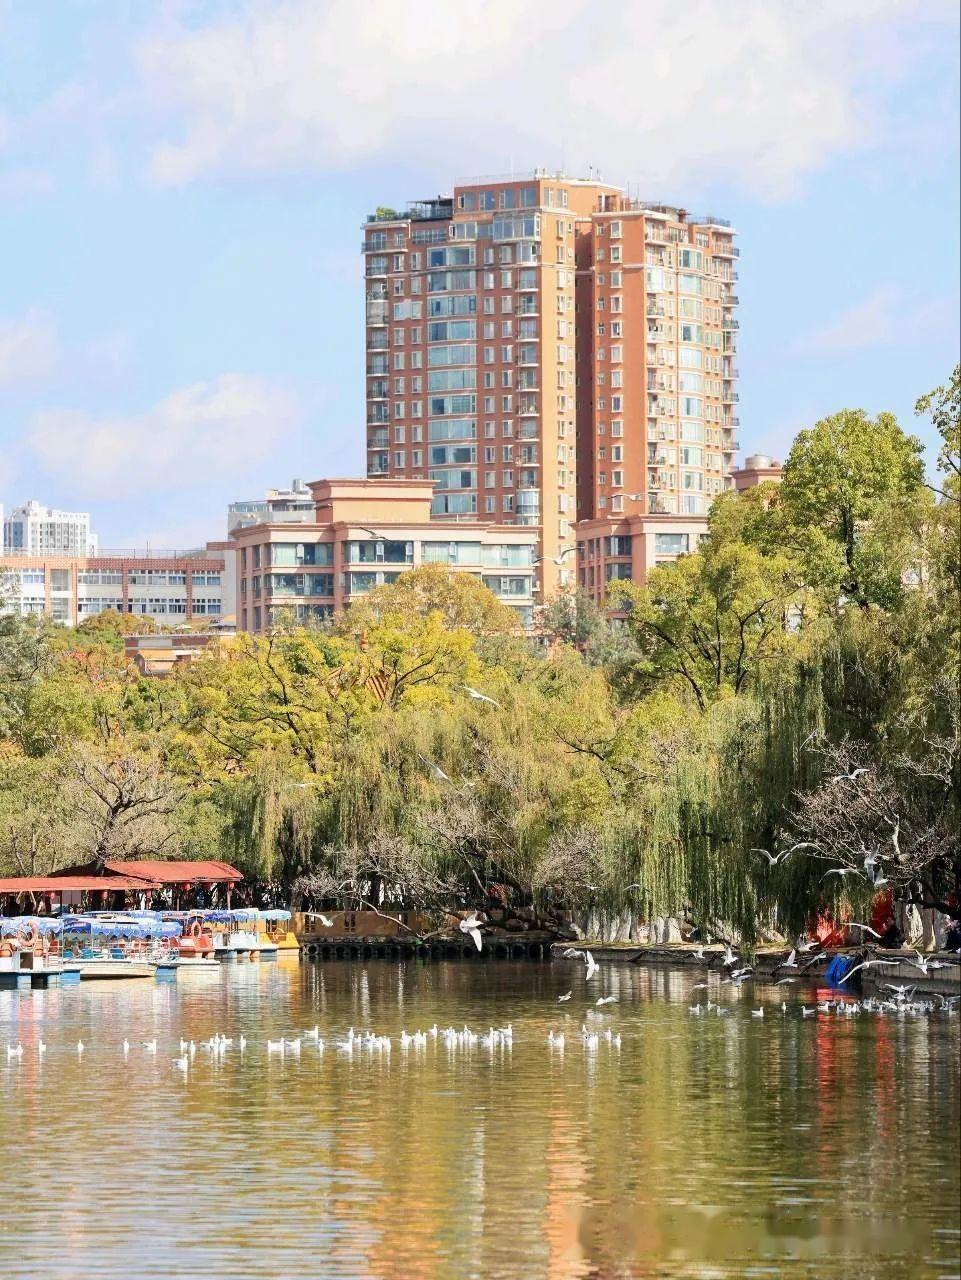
{"points": [[182, 187]]}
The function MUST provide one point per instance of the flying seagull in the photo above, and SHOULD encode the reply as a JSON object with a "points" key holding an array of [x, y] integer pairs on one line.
{"points": [[924, 964], [561, 999], [849, 777], [472, 926], [773, 859], [867, 964], [319, 915], [853, 924], [841, 871], [435, 769], [480, 697], [574, 953]]}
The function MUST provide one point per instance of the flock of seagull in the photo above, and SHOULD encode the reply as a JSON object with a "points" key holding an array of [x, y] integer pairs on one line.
{"points": [[368, 1043]]}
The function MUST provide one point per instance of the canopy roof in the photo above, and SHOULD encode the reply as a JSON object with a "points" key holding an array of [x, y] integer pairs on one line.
{"points": [[156, 872], [179, 872], [66, 880]]}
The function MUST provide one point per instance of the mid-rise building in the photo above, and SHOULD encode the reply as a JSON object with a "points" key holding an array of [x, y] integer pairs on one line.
{"points": [[629, 546], [366, 533], [171, 587], [285, 505], [38, 530], [546, 349]]}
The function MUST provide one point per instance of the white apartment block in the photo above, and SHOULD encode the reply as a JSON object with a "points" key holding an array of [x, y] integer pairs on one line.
{"points": [[37, 530]]}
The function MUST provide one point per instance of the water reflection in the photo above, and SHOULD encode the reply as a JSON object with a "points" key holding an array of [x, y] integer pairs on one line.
{"points": [[723, 1146]]}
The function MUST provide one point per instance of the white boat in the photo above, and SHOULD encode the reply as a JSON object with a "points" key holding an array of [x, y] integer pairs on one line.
{"points": [[92, 967], [236, 935]]}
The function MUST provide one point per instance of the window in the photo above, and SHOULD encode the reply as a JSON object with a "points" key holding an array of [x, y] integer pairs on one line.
{"points": [[450, 553], [671, 544], [380, 551]]}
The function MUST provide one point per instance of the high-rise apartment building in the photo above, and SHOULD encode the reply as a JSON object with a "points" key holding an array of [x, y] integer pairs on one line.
{"points": [[656, 351], [546, 350], [39, 530]]}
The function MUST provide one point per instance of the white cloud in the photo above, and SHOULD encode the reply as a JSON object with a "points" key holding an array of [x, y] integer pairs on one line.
{"points": [[211, 430], [761, 92], [887, 317], [28, 348]]}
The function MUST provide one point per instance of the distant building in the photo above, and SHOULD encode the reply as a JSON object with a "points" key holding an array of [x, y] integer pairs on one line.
{"points": [[757, 468], [38, 530], [630, 546], [160, 654], [366, 533], [169, 586], [285, 506]]}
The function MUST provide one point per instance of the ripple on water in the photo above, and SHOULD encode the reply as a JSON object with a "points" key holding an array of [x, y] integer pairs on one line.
{"points": [[706, 1147]]}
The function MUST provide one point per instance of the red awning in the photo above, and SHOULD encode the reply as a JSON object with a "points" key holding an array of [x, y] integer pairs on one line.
{"points": [[61, 884], [178, 872]]}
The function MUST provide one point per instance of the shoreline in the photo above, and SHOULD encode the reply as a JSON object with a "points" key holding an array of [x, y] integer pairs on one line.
{"points": [[769, 962]]}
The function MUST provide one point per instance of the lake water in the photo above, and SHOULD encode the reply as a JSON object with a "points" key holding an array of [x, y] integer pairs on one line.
{"points": [[705, 1147]]}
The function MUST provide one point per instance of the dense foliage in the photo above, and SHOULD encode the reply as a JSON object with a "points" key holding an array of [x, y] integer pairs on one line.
{"points": [[793, 681]]}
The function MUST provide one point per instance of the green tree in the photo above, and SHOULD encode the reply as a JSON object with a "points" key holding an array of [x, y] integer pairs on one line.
{"points": [[944, 406], [459, 599], [840, 477], [713, 621]]}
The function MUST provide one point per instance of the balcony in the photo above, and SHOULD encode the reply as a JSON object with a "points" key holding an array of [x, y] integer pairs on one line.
{"points": [[722, 250], [729, 397], [377, 312], [527, 307], [729, 323], [655, 233], [438, 235], [377, 415], [378, 440], [732, 300]]}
